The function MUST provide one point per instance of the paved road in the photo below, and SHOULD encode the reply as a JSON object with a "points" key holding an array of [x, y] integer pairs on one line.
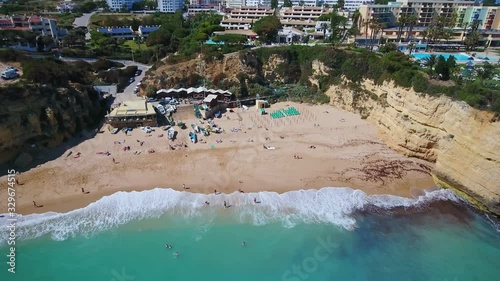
{"points": [[128, 92], [84, 21]]}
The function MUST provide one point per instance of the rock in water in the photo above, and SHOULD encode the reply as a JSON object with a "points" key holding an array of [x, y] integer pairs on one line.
{"points": [[23, 160]]}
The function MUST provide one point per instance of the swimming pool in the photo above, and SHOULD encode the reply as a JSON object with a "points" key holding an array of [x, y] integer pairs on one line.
{"points": [[458, 57]]}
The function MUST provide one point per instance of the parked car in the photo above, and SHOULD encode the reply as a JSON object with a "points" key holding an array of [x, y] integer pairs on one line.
{"points": [[161, 109], [11, 68], [147, 129], [165, 101], [131, 80], [138, 72], [136, 89], [152, 100], [9, 74]]}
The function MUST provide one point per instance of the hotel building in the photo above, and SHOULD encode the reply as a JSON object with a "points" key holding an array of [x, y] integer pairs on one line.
{"points": [[116, 5], [297, 17], [170, 6], [426, 12]]}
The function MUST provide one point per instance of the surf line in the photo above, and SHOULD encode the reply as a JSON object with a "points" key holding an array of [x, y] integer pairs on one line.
{"points": [[11, 209]]}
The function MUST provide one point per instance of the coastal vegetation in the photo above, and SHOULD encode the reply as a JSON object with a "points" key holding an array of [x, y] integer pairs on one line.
{"points": [[176, 35], [267, 28], [355, 65], [54, 72]]}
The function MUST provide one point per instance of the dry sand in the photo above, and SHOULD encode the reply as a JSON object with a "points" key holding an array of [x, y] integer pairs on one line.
{"points": [[347, 153]]}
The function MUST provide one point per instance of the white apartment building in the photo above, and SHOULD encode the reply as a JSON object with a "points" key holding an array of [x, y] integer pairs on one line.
{"points": [[116, 5], [303, 12], [353, 5], [426, 11], [170, 6], [196, 9], [330, 3], [235, 3], [255, 3], [242, 18]]}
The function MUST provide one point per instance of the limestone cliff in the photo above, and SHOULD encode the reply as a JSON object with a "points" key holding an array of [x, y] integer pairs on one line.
{"points": [[462, 141], [43, 116]]}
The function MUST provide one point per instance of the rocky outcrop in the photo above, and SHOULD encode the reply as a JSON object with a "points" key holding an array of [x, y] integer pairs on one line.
{"points": [[463, 142], [38, 116]]}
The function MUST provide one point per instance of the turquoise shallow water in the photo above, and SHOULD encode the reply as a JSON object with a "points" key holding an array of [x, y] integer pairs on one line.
{"points": [[433, 238]]}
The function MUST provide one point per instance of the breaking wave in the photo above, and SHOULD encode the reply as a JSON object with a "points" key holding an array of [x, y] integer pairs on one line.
{"points": [[327, 205]]}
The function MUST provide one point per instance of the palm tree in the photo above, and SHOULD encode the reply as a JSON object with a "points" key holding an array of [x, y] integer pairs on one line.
{"points": [[447, 34], [471, 40], [411, 46], [324, 26], [411, 21], [382, 27], [366, 24], [401, 24], [374, 27], [356, 16], [425, 33], [464, 25], [431, 61], [343, 23]]}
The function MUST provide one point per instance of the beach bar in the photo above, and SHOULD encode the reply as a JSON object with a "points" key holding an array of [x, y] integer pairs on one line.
{"points": [[132, 114]]}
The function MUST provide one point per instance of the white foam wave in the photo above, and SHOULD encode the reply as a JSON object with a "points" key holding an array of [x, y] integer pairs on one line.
{"points": [[327, 205]]}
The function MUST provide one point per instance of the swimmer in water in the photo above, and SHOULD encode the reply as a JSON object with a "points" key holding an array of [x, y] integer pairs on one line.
{"points": [[243, 243], [176, 254]]}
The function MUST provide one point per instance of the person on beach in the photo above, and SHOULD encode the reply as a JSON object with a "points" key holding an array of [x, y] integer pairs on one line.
{"points": [[225, 204], [114, 161], [85, 192], [37, 206]]}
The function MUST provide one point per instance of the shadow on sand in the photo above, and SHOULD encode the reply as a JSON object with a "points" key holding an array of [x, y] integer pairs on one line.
{"points": [[42, 155]]}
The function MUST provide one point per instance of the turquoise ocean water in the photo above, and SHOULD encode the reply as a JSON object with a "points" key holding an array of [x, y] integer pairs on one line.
{"points": [[327, 234]]}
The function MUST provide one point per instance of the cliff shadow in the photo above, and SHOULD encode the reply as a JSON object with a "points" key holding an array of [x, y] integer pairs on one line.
{"points": [[38, 154]]}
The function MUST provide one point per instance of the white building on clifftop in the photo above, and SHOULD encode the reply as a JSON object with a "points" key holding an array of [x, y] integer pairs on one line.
{"points": [[170, 6], [116, 5]]}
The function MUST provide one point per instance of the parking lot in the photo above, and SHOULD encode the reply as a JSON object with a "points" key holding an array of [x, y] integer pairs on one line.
{"points": [[3, 67]]}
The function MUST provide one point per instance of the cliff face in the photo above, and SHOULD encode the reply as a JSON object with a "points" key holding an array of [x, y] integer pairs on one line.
{"points": [[44, 116], [462, 141]]}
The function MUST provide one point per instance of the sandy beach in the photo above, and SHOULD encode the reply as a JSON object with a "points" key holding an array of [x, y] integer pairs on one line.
{"points": [[320, 147]]}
